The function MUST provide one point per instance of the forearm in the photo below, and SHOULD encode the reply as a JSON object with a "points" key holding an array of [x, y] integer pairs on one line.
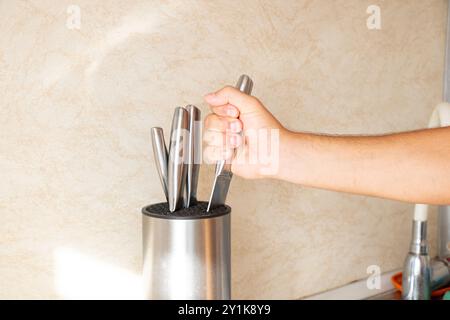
{"points": [[412, 167]]}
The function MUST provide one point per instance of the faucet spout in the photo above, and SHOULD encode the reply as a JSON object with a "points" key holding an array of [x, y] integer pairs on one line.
{"points": [[416, 281], [444, 233]]}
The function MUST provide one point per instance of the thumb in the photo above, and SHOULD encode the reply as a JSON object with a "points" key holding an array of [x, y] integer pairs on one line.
{"points": [[230, 95]]}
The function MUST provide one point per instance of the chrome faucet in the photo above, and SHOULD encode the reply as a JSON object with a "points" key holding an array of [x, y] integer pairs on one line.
{"points": [[444, 233], [420, 276], [416, 280]]}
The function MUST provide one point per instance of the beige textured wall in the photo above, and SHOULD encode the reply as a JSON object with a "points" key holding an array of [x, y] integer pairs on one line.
{"points": [[76, 107]]}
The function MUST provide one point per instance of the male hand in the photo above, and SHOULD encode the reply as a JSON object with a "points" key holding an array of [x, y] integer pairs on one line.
{"points": [[240, 121]]}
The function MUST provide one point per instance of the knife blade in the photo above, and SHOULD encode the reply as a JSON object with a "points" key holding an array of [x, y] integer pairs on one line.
{"points": [[192, 157], [176, 162], [160, 154], [223, 172]]}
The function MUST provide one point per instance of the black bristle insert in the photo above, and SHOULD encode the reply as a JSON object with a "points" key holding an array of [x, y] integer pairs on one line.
{"points": [[198, 211]]}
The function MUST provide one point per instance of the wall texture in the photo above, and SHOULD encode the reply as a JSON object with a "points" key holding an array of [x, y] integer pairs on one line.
{"points": [[76, 106]]}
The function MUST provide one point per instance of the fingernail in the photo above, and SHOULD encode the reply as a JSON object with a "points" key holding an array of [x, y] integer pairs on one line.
{"points": [[232, 112], [235, 126]]}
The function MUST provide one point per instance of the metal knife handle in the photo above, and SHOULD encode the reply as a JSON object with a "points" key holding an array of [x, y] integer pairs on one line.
{"points": [[161, 155], [223, 172], [193, 156], [245, 85], [176, 162]]}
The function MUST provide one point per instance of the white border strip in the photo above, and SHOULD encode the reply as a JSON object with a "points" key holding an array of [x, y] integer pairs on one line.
{"points": [[356, 290]]}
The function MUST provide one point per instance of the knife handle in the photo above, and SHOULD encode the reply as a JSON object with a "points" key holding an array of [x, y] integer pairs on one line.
{"points": [[176, 163], [193, 154], [161, 155], [245, 85]]}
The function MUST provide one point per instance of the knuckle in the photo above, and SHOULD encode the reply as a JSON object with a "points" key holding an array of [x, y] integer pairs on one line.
{"points": [[227, 89], [234, 140], [214, 138], [254, 100], [209, 120], [207, 136], [219, 110]]}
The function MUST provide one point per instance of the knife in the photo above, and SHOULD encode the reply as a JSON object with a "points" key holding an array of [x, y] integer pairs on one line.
{"points": [[223, 172], [193, 156], [160, 154], [176, 163]]}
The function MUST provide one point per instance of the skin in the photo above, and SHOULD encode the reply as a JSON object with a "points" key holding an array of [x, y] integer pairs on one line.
{"points": [[409, 166]]}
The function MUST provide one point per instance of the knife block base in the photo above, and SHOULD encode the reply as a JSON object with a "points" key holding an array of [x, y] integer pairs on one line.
{"points": [[187, 253]]}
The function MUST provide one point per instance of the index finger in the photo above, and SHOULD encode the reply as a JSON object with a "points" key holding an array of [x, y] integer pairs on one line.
{"points": [[230, 95], [227, 110]]}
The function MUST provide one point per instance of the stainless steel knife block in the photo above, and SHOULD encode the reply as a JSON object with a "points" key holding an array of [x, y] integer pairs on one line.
{"points": [[186, 253]]}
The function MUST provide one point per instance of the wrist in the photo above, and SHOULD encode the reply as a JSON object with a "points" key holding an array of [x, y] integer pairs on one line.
{"points": [[271, 162], [290, 155], [276, 166], [285, 139]]}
